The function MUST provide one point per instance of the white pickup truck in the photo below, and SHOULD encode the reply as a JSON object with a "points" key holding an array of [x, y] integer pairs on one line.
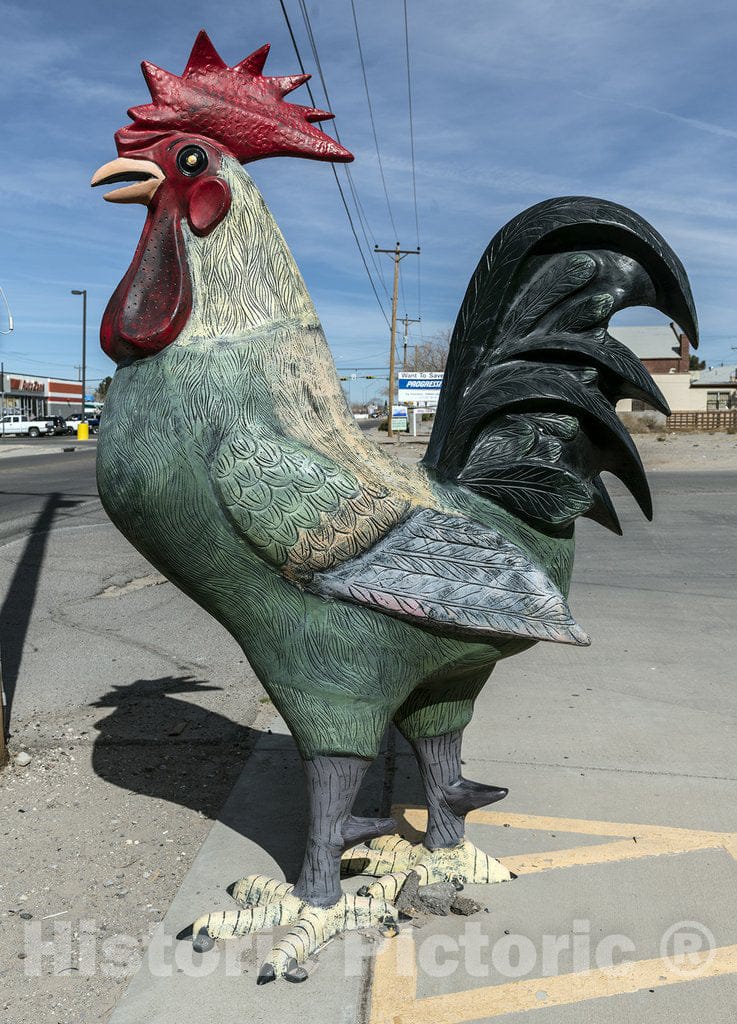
{"points": [[17, 425]]}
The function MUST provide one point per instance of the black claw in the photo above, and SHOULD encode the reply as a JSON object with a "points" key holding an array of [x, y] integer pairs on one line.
{"points": [[360, 830], [202, 942], [464, 795], [363, 891], [266, 974], [512, 875], [231, 888], [295, 973]]}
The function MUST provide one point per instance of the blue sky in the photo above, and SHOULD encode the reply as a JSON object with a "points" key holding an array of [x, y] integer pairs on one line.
{"points": [[513, 103]]}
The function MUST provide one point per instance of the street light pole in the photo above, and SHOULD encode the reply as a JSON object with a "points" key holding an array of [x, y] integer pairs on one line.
{"points": [[83, 293], [407, 320]]}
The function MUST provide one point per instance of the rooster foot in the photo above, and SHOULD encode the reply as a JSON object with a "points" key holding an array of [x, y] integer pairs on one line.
{"points": [[268, 903], [390, 859]]}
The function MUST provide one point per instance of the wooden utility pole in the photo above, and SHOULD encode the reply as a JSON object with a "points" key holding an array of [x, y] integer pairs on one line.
{"points": [[398, 255]]}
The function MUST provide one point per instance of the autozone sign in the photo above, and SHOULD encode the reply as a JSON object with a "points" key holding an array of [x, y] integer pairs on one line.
{"points": [[19, 384]]}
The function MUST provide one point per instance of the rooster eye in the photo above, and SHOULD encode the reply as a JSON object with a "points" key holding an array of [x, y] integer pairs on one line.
{"points": [[191, 160]]}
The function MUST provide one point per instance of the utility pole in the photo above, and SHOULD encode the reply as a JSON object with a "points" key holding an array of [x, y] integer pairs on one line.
{"points": [[406, 320], [83, 293], [398, 255]]}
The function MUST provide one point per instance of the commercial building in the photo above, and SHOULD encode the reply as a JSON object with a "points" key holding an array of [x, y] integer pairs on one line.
{"points": [[39, 396]]}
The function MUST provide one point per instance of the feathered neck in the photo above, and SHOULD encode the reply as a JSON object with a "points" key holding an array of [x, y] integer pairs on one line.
{"points": [[244, 277]]}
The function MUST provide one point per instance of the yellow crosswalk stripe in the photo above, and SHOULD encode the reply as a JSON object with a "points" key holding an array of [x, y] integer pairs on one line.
{"points": [[394, 988]]}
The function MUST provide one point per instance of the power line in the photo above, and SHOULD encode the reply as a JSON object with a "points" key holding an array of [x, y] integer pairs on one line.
{"points": [[371, 118], [411, 121], [412, 153], [362, 218], [335, 173]]}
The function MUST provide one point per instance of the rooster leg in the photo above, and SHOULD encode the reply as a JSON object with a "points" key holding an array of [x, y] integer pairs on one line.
{"points": [[449, 796], [445, 855], [316, 906], [332, 784], [434, 724]]}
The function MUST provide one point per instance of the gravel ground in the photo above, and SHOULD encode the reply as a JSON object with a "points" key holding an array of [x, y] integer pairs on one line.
{"points": [[677, 451], [97, 832], [669, 451]]}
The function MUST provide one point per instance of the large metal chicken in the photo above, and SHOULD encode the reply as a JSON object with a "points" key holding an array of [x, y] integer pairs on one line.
{"points": [[363, 591]]}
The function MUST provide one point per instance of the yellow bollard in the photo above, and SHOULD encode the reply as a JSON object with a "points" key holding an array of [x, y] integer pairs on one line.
{"points": [[83, 432]]}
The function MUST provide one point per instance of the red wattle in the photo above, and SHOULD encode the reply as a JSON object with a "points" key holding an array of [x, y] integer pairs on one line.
{"points": [[153, 302]]}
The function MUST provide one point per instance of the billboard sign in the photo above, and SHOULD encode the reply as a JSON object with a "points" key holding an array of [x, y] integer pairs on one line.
{"points": [[420, 389]]}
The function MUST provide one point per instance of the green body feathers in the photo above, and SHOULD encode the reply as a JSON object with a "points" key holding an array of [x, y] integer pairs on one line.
{"points": [[178, 429]]}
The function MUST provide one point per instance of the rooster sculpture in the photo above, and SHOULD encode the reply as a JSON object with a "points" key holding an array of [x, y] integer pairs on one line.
{"points": [[363, 592]]}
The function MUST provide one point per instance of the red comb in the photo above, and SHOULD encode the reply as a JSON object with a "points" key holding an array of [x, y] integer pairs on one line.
{"points": [[238, 108]]}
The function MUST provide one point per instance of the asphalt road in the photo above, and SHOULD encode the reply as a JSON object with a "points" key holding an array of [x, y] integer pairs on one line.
{"points": [[27, 484]]}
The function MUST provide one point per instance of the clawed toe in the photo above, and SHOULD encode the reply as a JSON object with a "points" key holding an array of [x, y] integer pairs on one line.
{"points": [[314, 926], [267, 903], [391, 862]]}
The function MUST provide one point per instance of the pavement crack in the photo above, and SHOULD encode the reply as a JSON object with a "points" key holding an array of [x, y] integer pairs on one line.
{"points": [[154, 579]]}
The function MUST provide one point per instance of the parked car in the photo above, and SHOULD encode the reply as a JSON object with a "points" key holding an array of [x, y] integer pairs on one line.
{"points": [[73, 421], [17, 425], [60, 424]]}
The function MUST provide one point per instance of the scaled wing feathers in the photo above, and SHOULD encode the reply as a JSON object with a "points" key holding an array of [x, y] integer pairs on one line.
{"points": [[449, 574]]}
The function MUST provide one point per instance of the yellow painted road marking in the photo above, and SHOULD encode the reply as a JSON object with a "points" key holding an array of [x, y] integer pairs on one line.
{"points": [[394, 994], [394, 991], [636, 840]]}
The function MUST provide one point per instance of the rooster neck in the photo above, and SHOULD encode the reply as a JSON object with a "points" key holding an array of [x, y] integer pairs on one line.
{"points": [[244, 278]]}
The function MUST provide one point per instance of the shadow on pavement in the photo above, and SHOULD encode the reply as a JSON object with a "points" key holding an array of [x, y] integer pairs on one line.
{"points": [[20, 599], [153, 743], [156, 743]]}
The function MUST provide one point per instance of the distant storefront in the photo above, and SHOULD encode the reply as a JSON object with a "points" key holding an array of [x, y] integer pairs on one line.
{"points": [[39, 396]]}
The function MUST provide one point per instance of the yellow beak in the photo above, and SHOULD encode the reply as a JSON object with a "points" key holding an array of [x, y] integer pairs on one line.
{"points": [[145, 175]]}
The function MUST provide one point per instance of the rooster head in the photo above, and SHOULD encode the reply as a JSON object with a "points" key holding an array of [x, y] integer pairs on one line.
{"points": [[171, 158]]}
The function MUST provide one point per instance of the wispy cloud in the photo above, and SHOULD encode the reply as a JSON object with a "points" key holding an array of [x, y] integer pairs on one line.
{"points": [[512, 103], [691, 122]]}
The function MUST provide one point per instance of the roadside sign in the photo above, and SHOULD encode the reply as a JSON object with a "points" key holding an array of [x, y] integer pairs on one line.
{"points": [[399, 417], [421, 389]]}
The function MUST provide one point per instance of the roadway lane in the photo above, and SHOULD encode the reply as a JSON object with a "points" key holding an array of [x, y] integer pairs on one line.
{"points": [[27, 482]]}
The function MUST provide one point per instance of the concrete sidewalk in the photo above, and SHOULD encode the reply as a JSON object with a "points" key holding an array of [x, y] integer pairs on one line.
{"points": [[11, 450], [622, 767]]}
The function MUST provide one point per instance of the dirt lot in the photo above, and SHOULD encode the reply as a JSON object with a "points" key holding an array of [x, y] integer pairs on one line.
{"points": [[98, 831], [676, 451], [669, 451], [99, 828]]}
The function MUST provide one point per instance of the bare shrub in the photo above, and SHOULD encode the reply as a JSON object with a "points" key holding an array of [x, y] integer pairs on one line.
{"points": [[637, 423]]}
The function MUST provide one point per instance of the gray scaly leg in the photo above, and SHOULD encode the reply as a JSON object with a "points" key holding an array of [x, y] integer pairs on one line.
{"points": [[332, 785], [449, 796]]}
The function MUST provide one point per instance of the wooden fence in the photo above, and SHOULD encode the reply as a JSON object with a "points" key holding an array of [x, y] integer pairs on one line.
{"points": [[715, 420]]}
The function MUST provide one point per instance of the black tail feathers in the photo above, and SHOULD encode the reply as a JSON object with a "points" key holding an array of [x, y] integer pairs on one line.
{"points": [[526, 415]]}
